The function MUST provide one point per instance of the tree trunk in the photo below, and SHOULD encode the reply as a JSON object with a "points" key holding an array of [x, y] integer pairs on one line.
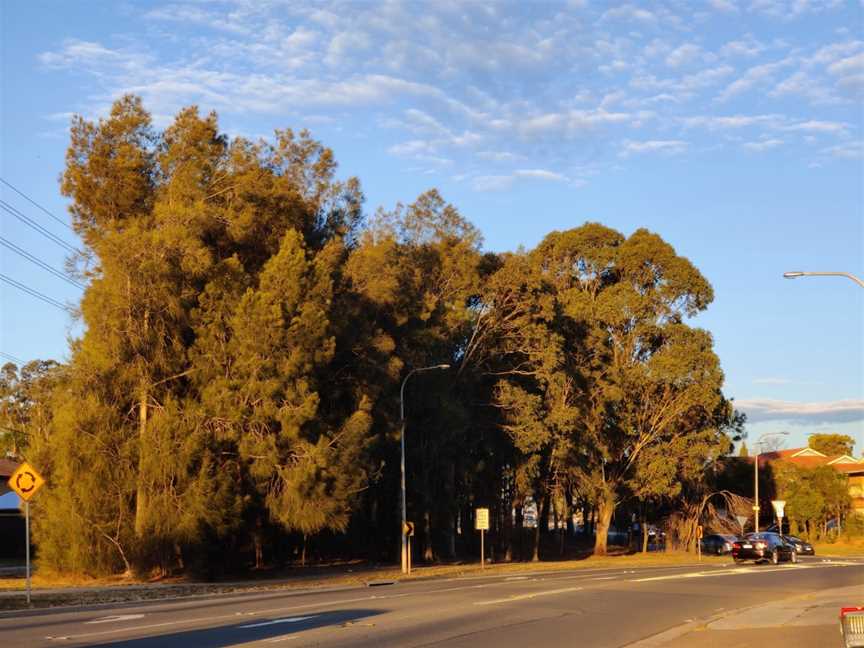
{"points": [[643, 523], [520, 533], [141, 493], [605, 509], [428, 553], [536, 556]]}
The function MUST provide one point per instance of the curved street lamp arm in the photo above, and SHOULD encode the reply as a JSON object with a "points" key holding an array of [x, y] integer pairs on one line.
{"points": [[793, 275]]}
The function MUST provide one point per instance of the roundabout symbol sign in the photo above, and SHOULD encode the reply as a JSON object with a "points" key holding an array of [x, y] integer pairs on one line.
{"points": [[25, 482]]}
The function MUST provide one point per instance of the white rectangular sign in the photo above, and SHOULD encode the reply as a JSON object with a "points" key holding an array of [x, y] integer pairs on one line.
{"points": [[481, 519]]}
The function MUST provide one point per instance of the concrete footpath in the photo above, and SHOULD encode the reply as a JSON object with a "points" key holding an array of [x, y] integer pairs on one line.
{"points": [[807, 621]]}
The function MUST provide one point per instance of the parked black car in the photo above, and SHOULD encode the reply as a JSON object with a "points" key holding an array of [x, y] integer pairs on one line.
{"points": [[763, 547], [802, 548], [718, 543]]}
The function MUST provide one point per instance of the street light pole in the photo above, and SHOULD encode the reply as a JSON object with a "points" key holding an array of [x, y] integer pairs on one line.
{"points": [[756, 478], [795, 275], [402, 531]]}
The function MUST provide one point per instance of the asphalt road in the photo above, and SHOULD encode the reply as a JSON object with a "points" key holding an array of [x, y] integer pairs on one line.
{"points": [[598, 607]]}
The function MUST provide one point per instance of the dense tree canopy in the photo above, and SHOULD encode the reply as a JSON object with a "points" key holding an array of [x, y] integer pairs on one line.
{"points": [[235, 393]]}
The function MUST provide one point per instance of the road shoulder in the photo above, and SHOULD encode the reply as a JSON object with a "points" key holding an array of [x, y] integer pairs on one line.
{"points": [[807, 620]]}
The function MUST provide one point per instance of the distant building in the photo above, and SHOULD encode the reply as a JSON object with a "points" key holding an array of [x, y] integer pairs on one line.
{"points": [[810, 458], [11, 520]]}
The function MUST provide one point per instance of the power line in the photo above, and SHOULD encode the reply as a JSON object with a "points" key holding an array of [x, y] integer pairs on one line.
{"points": [[35, 204], [39, 262], [35, 293], [36, 226], [11, 357]]}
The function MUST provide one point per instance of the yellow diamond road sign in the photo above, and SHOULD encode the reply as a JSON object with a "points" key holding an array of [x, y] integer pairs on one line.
{"points": [[25, 481]]}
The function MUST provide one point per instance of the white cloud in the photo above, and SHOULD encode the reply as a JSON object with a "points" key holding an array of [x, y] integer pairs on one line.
{"points": [[685, 54], [752, 77], [726, 6], [477, 84], [498, 156], [630, 12], [198, 16], [763, 145], [744, 48], [668, 147], [815, 126], [540, 174], [842, 411], [848, 151]]}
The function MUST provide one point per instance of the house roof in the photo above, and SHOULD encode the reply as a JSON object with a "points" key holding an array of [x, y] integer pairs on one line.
{"points": [[7, 467], [810, 458]]}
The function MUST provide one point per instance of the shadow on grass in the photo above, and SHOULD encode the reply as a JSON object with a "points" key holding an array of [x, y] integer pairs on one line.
{"points": [[253, 628]]}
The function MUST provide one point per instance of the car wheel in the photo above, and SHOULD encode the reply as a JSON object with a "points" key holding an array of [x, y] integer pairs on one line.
{"points": [[738, 561], [794, 556], [775, 557]]}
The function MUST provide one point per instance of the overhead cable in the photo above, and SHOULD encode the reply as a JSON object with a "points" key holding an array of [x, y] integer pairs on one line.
{"points": [[11, 358], [39, 262], [35, 204], [36, 226], [35, 293]]}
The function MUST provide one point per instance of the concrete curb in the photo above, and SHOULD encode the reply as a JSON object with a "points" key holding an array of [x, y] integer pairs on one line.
{"points": [[661, 639]]}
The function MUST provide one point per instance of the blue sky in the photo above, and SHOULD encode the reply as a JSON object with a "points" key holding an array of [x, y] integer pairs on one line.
{"points": [[733, 128]]}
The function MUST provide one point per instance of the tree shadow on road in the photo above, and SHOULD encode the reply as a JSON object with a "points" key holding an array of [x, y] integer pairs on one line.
{"points": [[252, 628]]}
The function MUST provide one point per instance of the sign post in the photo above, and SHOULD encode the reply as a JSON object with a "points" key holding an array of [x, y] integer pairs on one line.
{"points": [[699, 542], [408, 532], [779, 507], [742, 520], [481, 523], [25, 482]]}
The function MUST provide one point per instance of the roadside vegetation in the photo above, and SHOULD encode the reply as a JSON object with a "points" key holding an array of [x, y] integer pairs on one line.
{"points": [[233, 402]]}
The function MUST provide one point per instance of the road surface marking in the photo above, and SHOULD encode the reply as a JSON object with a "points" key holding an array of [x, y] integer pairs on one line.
{"points": [[522, 597], [116, 617], [738, 571], [275, 621], [142, 627], [283, 638]]}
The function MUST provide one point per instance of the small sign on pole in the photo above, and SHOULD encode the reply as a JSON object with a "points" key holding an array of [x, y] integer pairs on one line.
{"points": [[481, 523], [25, 482], [742, 520], [779, 508]]}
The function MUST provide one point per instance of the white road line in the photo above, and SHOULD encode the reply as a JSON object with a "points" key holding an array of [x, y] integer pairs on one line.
{"points": [[115, 618], [276, 621], [143, 627], [726, 572], [522, 597]]}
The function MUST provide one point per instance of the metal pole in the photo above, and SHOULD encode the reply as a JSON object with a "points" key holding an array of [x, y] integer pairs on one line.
{"points": [[482, 551], [27, 545], [756, 491], [406, 567], [404, 506]]}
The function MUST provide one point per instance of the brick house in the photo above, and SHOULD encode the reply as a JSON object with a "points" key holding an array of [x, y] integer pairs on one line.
{"points": [[810, 458]]}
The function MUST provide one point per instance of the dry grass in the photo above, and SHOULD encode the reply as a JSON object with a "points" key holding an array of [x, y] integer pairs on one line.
{"points": [[840, 548], [356, 574]]}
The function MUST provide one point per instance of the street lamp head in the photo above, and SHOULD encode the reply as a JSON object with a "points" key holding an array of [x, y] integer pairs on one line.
{"points": [[442, 366], [793, 275]]}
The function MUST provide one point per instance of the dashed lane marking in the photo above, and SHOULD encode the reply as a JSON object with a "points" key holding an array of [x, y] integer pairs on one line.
{"points": [[115, 618], [277, 621], [523, 597]]}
